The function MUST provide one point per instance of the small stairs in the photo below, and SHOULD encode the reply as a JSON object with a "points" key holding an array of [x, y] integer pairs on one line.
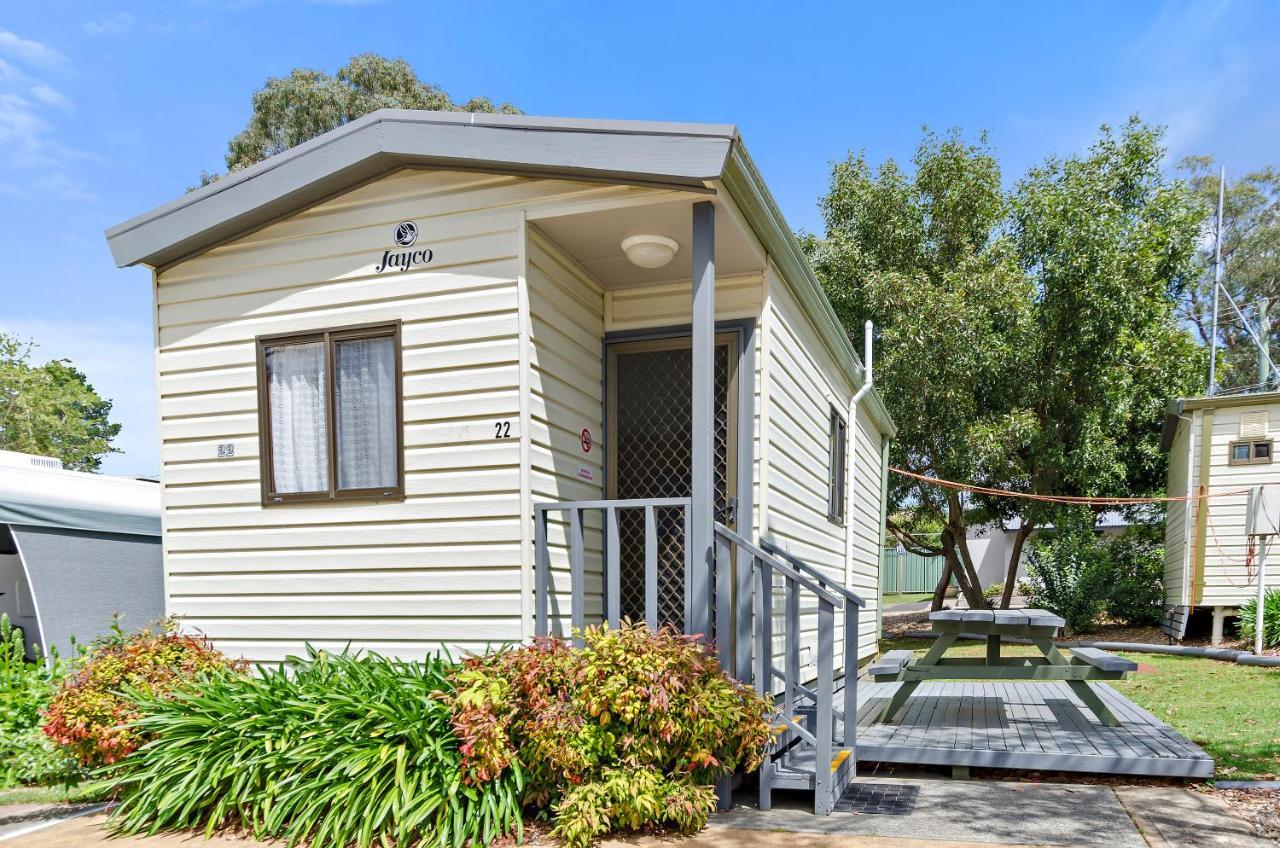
{"points": [[791, 762]]}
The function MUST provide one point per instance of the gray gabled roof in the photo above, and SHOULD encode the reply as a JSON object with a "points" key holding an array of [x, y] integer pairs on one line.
{"points": [[626, 151], [677, 155]]}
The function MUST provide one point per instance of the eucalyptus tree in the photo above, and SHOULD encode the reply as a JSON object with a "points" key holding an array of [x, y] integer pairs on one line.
{"points": [[290, 110], [1029, 336], [1251, 265]]}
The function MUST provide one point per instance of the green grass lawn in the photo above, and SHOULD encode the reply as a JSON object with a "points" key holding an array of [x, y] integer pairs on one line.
{"points": [[1232, 711], [83, 793], [906, 597]]}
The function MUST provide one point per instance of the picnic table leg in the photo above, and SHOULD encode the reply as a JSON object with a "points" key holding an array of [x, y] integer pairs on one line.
{"points": [[1091, 700], [899, 700], [993, 650]]}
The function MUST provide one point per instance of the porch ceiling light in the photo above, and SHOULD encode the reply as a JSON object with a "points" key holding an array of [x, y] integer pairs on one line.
{"points": [[650, 251]]}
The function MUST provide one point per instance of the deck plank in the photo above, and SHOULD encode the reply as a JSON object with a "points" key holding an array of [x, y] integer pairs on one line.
{"points": [[1040, 726]]}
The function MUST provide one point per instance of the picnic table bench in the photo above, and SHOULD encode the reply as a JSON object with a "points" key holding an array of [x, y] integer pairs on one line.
{"points": [[1037, 626]]}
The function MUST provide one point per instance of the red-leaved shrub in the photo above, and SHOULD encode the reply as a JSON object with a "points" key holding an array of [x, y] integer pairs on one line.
{"points": [[89, 715], [632, 729]]}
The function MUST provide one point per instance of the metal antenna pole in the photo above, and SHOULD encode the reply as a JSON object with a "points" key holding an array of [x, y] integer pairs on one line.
{"points": [[1217, 281], [1264, 352]]}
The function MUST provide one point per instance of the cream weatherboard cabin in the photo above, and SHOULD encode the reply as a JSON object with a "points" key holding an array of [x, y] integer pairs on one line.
{"points": [[439, 379], [1219, 448]]}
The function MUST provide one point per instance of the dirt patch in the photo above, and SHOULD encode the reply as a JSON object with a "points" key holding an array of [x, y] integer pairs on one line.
{"points": [[1261, 808]]}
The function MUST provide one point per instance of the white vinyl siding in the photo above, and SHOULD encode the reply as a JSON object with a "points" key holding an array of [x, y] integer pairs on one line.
{"points": [[1227, 576], [1177, 516], [567, 340], [444, 566], [804, 382]]}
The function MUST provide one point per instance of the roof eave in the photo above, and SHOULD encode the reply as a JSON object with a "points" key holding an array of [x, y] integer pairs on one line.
{"points": [[679, 155]]}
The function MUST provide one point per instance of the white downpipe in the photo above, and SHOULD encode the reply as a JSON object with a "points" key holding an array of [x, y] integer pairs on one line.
{"points": [[866, 374]]}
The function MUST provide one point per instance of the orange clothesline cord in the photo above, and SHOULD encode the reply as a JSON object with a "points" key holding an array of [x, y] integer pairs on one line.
{"points": [[1058, 499]]}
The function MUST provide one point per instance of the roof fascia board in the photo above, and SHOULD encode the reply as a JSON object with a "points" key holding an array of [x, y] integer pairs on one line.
{"points": [[1223, 401], [631, 152], [743, 182]]}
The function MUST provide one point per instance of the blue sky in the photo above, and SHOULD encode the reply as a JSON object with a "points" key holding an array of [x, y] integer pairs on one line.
{"points": [[109, 109]]}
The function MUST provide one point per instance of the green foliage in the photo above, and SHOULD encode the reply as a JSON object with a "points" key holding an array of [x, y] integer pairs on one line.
{"points": [[290, 110], [629, 799], [26, 755], [1067, 572], [1079, 574], [328, 751], [1251, 259], [1136, 575], [629, 730], [90, 715], [1029, 337], [1270, 619], [993, 591], [51, 409]]}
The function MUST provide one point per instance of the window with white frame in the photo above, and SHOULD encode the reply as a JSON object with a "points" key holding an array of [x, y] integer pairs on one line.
{"points": [[330, 410]]}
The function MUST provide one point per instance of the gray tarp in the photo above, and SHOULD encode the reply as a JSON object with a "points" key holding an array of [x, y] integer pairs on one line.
{"points": [[79, 579]]}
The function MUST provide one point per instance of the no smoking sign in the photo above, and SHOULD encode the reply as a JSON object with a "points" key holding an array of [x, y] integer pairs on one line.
{"points": [[586, 440]]}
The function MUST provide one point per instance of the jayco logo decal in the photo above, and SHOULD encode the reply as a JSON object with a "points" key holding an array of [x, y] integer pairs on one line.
{"points": [[406, 233]]}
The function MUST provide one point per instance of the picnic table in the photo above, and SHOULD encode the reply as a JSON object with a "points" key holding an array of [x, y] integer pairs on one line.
{"points": [[1039, 627]]}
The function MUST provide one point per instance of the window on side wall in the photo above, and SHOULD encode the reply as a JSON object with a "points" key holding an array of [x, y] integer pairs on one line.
{"points": [[1250, 452], [329, 407], [839, 444]]}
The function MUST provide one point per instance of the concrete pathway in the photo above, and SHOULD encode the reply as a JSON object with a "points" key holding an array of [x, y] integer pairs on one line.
{"points": [[20, 820], [1180, 818], [944, 814], [967, 812]]}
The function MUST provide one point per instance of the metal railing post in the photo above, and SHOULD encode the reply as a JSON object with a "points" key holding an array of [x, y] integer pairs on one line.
{"points": [[823, 776], [850, 673], [612, 578], [576, 576], [791, 642], [724, 606], [541, 577], [651, 567]]}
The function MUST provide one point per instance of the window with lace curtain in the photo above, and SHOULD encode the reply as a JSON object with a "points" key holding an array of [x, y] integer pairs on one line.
{"points": [[329, 405]]}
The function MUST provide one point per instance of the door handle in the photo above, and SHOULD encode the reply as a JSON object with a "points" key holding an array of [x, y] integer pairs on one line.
{"points": [[729, 513]]}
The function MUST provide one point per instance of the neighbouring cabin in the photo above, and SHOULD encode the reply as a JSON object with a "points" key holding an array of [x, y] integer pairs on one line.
{"points": [[382, 353], [78, 552], [1219, 448]]}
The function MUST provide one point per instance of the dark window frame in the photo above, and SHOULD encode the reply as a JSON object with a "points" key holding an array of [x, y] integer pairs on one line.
{"points": [[1253, 459], [837, 470], [328, 336]]}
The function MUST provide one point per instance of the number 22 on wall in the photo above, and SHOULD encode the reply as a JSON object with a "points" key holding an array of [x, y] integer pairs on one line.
{"points": [[502, 429]]}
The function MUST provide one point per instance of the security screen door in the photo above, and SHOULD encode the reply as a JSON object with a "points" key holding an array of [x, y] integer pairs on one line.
{"points": [[650, 452]]}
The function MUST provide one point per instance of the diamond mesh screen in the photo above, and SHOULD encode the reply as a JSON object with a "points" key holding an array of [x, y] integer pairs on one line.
{"points": [[654, 453]]}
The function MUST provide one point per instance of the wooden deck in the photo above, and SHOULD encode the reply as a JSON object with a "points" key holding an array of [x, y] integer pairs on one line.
{"points": [[1034, 726]]}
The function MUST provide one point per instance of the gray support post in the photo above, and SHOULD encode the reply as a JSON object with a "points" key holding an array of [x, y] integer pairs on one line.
{"points": [[823, 776], [702, 530], [791, 642], [764, 664], [541, 578], [850, 673], [612, 588], [651, 567], [742, 568], [724, 605], [576, 574], [686, 522]]}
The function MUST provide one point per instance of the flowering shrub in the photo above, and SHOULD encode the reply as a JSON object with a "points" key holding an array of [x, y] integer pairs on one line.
{"points": [[630, 730], [89, 717]]}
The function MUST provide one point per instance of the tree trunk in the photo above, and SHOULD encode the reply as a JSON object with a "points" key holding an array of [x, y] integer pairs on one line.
{"points": [[1015, 557], [967, 582], [956, 546], [940, 591]]}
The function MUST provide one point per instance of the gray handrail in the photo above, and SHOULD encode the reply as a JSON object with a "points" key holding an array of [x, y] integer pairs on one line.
{"points": [[814, 571], [785, 570]]}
